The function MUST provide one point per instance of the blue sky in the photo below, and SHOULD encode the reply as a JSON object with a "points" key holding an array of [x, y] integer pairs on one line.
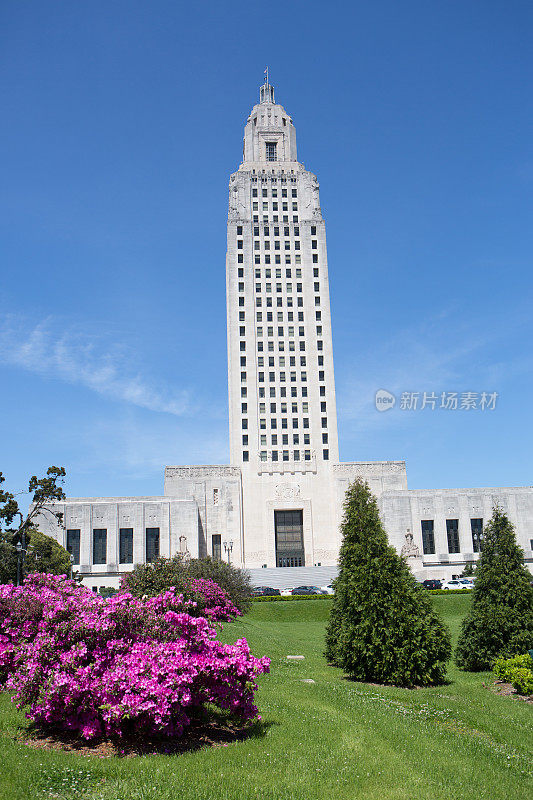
{"points": [[122, 122]]}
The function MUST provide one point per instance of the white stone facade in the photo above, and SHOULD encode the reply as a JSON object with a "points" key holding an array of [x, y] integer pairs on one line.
{"points": [[279, 504]]}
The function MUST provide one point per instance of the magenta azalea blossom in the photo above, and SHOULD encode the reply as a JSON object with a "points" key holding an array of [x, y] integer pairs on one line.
{"points": [[115, 666]]}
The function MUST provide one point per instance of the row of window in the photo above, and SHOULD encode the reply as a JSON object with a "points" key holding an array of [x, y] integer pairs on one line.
{"points": [[269, 314], [275, 207], [452, 531], [282, 359], [284, 439], [266, 230], [274, 455], [281, 376], [268, 273], [99, 545], [281, 344], [277, 258], [288, 245], [284, 422], [275, 218], [282, 390], [267, 288], [283, 407], [279, 304], [270, 177], [264, 192]]}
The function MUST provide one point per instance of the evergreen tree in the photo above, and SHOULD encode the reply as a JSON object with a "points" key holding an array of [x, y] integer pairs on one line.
{"points": [[500, 622], [382, 626]]}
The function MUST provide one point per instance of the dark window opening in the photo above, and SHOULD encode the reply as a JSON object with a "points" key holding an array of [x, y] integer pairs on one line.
{"points": [[126, 546], [152, 544], [73, 544], [99, 545], [476, 526], [428, 536], [452, 530], [289, 538], [271, 151], [216, 546]]}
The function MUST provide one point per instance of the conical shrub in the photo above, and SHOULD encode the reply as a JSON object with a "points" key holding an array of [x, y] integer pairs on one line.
{"points": [[382, 626], [500, 622]]}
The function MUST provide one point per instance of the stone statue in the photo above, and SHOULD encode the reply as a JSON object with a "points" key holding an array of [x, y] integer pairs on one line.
{"points": [[184, 551], [409, 549]]}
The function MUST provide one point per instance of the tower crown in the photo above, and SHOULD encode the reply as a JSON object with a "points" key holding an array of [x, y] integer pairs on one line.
{"points": [[269, 134], [266, 93]]}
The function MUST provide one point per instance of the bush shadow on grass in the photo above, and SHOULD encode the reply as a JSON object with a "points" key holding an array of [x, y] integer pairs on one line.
{"points": [[443, 682], [215, 729]]}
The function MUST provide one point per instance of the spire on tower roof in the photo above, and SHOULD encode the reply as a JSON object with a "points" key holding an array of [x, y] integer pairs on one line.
{"points": [[266, 92]]}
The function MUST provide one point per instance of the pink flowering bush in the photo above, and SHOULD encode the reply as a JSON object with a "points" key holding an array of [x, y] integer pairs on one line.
{"points": [[121, 665]]}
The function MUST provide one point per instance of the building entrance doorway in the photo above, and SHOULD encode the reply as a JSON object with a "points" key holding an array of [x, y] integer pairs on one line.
{"points": [[289, 529]]}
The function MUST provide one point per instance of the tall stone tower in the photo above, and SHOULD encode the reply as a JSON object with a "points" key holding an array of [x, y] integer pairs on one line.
{"points": [[279, 503], [282, 412]]}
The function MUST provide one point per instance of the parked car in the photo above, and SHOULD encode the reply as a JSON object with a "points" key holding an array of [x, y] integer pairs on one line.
{"points": [[265, 591], [307, 590], [467, 583], [431, 583], [327, 589], [286, 592], [453, 584]]}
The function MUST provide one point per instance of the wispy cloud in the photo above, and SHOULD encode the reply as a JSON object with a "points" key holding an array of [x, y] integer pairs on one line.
{"points": [[438, 354], [79, 357], [135, 447]]}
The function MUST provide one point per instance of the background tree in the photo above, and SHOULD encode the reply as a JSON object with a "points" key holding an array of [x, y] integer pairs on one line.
{"points": [[151, 579], [500, 622], [44, 492], [47, 555], [382, 627], [8, 558]]}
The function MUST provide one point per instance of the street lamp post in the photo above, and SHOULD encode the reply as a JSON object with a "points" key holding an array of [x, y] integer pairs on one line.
{"points": [[228, 547], [21, 551]]}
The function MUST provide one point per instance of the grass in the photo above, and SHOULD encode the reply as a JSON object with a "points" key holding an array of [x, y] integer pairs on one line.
{"points": [[333, 738]]}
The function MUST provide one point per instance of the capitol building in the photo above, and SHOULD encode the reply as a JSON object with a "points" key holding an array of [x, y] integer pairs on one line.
{"points": [[276, 508]]}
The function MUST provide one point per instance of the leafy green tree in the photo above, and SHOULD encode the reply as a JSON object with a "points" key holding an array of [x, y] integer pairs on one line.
{"points": [[382, 626], [469, 570], [44, 492], [47, 555], [8, 558], [500, 622], [151, 579]]}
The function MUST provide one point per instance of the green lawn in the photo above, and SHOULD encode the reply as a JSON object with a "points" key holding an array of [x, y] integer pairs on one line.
{"points": [[329, 739]]}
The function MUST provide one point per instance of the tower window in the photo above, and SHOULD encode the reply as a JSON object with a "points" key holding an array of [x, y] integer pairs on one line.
{"points": [[477, 534], [452, 530], [126, 545], [152, 544], [99, 545], [73, 544], [271, 151], [428, 536], [216, 546]]}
